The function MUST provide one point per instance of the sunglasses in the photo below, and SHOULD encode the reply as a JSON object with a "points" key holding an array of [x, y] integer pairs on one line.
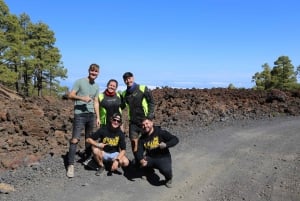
{"points": [[117, 120]]}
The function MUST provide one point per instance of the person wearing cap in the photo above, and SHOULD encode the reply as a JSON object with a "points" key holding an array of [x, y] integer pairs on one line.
{"points": [[110, 102], [85, 93], [140, 104], [109, 145], [153, 150]]}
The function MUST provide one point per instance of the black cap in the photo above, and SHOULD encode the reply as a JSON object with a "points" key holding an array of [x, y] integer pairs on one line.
{"points": [[117, 116], [127, 75]]}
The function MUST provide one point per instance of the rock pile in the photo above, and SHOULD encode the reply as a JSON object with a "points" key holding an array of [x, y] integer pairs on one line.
{"points": [[33, 127]]}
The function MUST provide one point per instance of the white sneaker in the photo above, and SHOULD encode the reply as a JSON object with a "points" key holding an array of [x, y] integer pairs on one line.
{"points": [[70, 172]]}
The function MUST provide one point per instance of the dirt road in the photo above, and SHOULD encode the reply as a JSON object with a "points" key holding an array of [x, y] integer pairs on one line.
{"points": [[254, 161], [249, 162]]}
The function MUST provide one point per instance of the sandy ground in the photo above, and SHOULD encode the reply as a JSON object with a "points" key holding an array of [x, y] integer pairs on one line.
{"points": [[251, 161]]}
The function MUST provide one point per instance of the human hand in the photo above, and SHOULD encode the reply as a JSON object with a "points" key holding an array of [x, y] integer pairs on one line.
{"points": [[115, 165], [86, 99], [98, 123], [143, 163], [162, 145], [101, 145]]}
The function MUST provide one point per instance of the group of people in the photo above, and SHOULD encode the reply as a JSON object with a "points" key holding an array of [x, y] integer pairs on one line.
{"points": [[107, 145]]}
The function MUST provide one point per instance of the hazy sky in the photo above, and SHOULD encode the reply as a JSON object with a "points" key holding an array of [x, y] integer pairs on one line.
{"points": [[175, 43]]}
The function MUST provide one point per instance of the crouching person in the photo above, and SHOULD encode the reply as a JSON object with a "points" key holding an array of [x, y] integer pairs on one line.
{"points": [[153, 149], [108, 145]]}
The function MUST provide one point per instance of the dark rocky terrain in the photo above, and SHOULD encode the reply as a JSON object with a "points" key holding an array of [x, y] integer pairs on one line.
{"points": [[34, 127], [235, 144]]}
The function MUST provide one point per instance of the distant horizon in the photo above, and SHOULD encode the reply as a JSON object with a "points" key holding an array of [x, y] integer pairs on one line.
{"points": [[123, 87], [181, 44]]}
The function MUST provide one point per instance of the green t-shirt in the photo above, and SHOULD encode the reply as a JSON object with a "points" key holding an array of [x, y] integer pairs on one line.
{"points": [[84, 88]]}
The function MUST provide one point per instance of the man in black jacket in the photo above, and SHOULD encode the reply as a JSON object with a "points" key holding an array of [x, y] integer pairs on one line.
{"points": [[140, 104], [153, 149]]}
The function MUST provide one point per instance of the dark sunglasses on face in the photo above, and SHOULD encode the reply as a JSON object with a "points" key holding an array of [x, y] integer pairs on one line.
{"points": [[117, 120]]}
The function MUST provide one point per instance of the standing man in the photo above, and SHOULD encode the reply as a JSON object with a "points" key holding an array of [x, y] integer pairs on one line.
{"points": [[153, 150], [140, 104], [85, 93]]}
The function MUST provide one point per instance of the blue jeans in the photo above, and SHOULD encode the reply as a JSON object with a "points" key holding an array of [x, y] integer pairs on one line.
{"points": [[84, 121]]}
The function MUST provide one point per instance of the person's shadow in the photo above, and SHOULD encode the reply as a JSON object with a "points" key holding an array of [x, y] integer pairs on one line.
{"points": [[133, 172], [81, 159], [65, 158]]}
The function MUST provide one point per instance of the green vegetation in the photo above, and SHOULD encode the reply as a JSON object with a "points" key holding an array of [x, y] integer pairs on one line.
{"points": [[29, 61], [231, 86], [31, 64], [282, 76]]}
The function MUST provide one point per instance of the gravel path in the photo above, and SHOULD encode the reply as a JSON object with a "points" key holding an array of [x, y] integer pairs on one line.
{"points": [[251, 160]]}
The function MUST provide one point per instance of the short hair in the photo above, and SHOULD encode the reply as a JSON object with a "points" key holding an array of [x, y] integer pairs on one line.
{"points": [[127, 75], [146, 118], [94, 66]]}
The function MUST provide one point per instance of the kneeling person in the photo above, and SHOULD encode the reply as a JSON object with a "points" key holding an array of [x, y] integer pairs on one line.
{"points": [[108, 145], [153, 149]]}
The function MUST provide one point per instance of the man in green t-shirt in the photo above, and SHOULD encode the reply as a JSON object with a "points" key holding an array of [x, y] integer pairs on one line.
{"points": [[86, 109]]}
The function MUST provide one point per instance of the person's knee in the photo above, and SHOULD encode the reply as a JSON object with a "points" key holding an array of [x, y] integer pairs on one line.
{"points": [[96, 151], [124, 162], [74, 141], [167, 172], [133, 135]]}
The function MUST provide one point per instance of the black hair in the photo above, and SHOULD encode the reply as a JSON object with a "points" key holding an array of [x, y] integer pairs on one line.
{"points": [[127, 75], [112, 80]]}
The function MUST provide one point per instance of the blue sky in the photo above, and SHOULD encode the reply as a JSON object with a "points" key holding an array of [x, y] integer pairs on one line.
{"points": [[183, 44]]}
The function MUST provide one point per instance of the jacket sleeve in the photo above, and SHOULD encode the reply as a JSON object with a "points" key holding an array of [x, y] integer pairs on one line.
{"points": [[151, 103], [168, 138]]}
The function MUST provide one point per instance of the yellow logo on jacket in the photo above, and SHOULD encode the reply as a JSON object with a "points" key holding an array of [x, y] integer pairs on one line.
{"points": [[153, 144], [111, 141]]}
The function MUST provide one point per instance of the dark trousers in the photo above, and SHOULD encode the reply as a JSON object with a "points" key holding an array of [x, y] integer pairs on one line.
{"points": [[163, 164], [84, 121]]}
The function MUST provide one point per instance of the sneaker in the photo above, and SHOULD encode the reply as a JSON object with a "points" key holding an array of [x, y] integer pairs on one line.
{"points": [[70, 172], [169, 183], [92, 164], [86, 162], [99, 171]]}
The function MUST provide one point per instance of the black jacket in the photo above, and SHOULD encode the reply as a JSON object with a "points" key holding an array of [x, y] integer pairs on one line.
{"points": [[134, 101], [149, 144], [113, 138]]}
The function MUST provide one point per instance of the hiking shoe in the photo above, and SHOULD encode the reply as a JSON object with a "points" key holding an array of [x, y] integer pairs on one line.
{"points": [[70, 171], [169, 183], [99, 171], [92, 164], [86, 162]]}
